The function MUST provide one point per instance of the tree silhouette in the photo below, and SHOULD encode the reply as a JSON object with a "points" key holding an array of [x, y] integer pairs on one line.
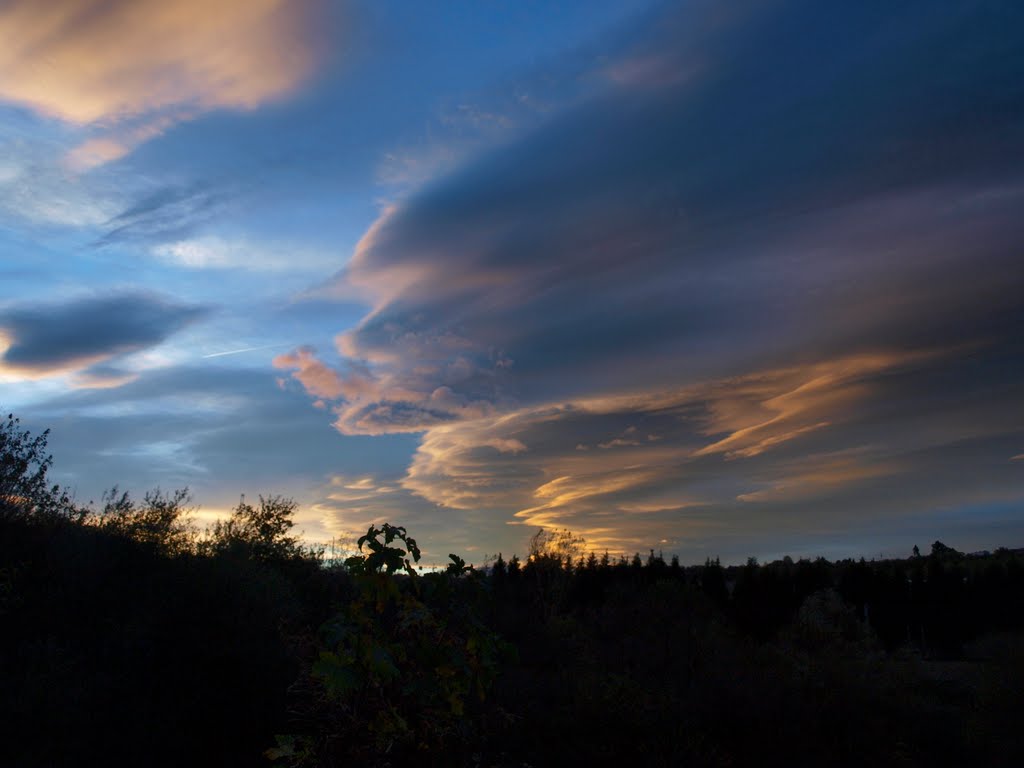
{"points": [[24, 463], [162, 520], [259, 532]]}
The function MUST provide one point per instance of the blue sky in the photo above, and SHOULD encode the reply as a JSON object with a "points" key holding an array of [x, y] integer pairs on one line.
{"points": [[722, 280]]}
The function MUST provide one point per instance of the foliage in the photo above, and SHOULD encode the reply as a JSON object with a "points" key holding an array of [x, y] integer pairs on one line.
{"points": [[403, 670], [162, 520], [383, 557], [825, 619], [115, 653], [24, 464], [258, 532]]}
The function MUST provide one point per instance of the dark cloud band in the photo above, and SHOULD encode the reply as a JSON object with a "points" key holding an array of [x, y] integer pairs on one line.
{"points": [[45, 338]]}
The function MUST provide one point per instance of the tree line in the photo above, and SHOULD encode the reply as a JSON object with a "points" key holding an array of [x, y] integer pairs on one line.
{"points": [[131, 637]]}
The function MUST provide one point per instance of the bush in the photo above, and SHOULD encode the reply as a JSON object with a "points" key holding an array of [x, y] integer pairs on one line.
{"points": [[402, 671]]}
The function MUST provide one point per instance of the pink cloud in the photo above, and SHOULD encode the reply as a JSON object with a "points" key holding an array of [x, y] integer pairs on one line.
{"points": [[318, 380]]}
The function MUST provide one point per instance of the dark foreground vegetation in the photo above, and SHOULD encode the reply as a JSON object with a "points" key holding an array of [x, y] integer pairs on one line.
{"points": [[127, 637]]}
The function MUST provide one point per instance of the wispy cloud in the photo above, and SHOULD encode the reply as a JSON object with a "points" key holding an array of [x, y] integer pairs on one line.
{"points": [[34, 188], [115, 143], [463, 465], [872, 445], [215, 252], [818, 477], [757, 417], [166, 215]]}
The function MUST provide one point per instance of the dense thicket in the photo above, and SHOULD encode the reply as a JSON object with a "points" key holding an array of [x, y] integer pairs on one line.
{"points": [[130, 638]]}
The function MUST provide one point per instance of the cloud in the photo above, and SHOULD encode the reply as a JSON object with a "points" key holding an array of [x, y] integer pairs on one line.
{"points": [[317, 378], [686, 228], [166, 215], [818, 477], [212, 252], [140, 67], [115, 144], [877, 455], [102, 377], [758, 416], [764, 249], [374, 401], [457, 466], [35, 188], [41, 340]]}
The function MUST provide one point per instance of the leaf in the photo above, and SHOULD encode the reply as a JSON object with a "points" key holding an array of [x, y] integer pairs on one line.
{"points": [[337, 674]]}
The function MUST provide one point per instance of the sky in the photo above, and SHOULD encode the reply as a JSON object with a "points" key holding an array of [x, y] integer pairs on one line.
{"points": [[715, 279]]}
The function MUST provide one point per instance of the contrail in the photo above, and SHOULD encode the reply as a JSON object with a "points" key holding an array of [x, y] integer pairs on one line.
{"points": [[246, 349]]}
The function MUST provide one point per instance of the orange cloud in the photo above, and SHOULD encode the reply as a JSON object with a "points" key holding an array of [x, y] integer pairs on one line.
{"points": [[149, 62], [763, 411], [115, 145], [559, 495], [317, 378], [718, 443]]}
